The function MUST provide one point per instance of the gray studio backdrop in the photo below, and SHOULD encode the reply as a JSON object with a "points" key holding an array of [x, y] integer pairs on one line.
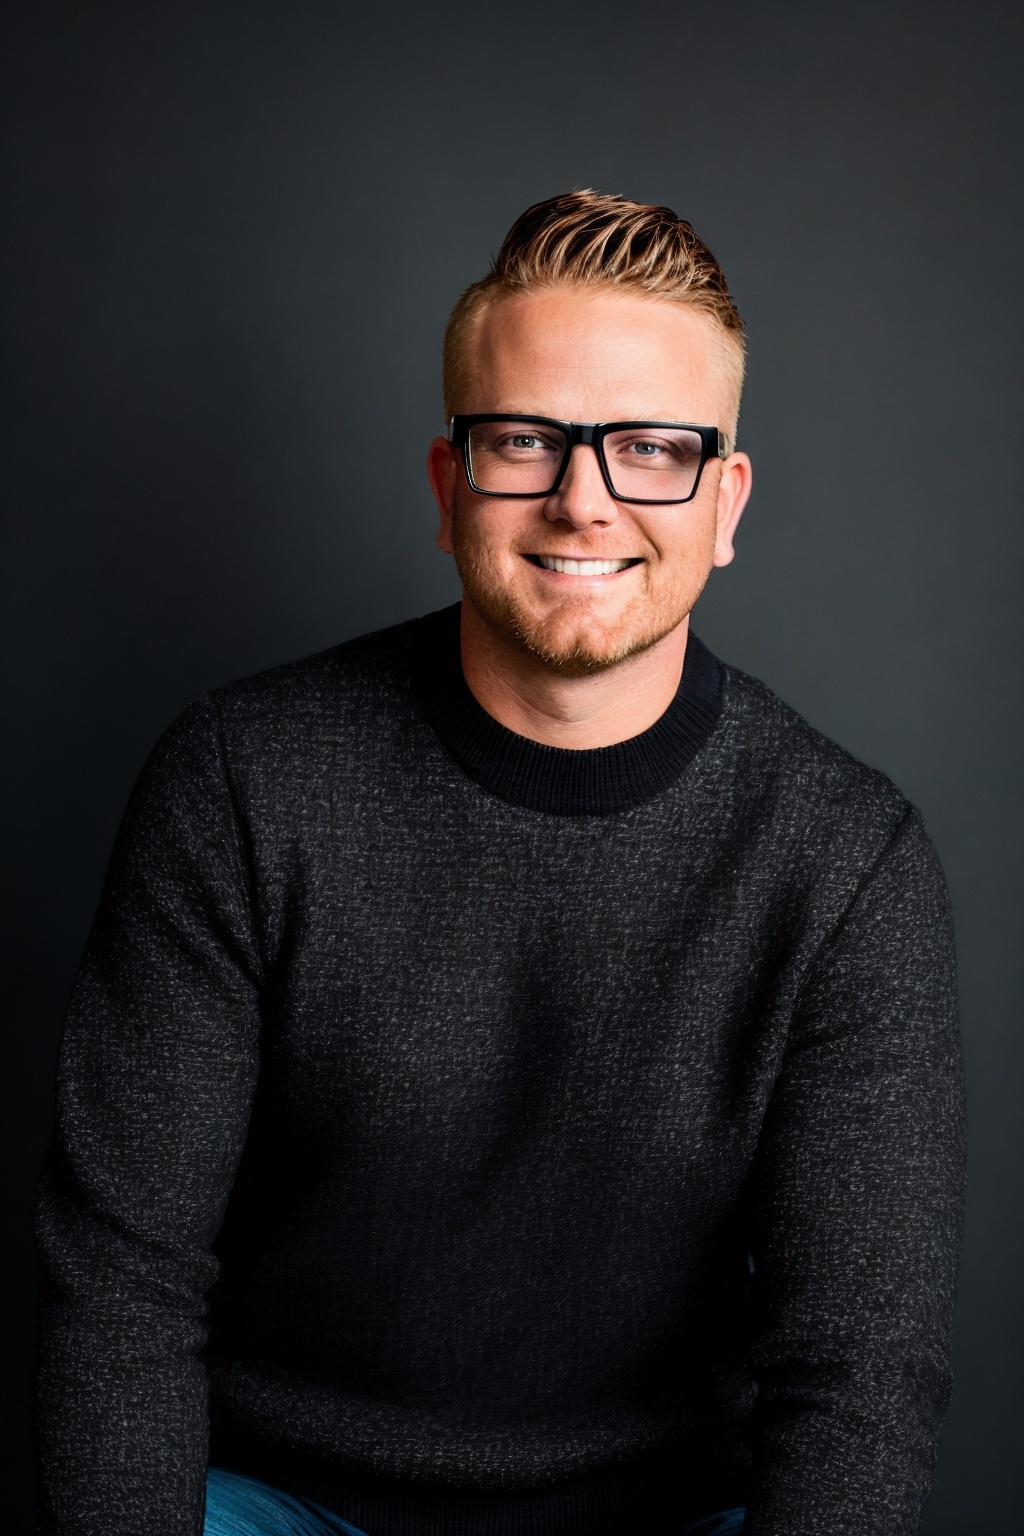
{"points": [[237, 231]]}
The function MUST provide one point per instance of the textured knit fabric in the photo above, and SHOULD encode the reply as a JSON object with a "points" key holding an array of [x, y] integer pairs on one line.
{"points": [[564, 1136]]}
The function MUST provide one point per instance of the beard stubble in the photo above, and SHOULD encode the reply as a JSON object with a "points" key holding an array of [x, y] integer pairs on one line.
{"points": [[573, 644]]}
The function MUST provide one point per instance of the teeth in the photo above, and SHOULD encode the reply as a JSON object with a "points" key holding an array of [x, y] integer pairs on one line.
{"points": [[582, 567]]}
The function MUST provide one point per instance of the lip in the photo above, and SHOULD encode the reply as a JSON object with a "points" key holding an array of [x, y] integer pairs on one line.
{"points": [[533, 558]]}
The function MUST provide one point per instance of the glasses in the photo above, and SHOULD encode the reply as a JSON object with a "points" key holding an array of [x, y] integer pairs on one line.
{"points": [[655, 463]]}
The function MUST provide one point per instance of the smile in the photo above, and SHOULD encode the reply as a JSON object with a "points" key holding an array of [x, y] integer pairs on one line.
{"points": [[566, 567]]}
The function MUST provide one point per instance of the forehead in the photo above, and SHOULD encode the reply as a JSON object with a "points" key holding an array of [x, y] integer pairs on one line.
{"points": [[595, 355]]}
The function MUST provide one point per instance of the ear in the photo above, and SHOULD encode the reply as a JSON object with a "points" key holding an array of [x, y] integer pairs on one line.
{"points": [[733, 493], [442, 472]]}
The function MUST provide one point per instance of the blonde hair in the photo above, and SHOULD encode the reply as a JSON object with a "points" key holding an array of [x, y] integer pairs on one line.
{"points": [[592, 239]]}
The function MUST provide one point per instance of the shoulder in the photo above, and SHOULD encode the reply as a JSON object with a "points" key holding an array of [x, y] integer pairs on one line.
{"points": [[774, 744], [334, 684], [292, 724], [349, 706], [826, 830], [809, 796]]}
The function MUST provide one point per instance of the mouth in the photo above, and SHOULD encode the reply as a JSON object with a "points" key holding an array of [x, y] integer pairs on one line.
{"points": [[568, 567]]}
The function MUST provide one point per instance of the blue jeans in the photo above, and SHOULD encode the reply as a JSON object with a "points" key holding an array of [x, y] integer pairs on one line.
{"points": [[240, 1506]]}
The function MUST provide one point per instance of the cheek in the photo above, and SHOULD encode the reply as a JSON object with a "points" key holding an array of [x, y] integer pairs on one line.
{"points": [[687, 550], [485, 529], [467, 523]]}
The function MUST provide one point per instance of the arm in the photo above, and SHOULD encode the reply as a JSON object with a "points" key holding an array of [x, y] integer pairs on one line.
{"points": [[156, 1076], [858, 1196]]}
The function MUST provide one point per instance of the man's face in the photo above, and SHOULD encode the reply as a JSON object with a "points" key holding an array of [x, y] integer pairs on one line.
{"points": [[590, 356]]}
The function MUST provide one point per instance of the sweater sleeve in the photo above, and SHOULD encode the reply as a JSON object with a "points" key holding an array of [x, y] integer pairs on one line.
{"points": [[857, 1213], [156, 1077]]}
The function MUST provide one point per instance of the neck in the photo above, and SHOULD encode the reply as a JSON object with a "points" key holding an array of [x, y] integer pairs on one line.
{"points": [[527, 696]]}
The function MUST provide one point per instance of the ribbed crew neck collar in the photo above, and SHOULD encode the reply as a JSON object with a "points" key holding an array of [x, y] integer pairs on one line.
{"points": [[560, 780]]}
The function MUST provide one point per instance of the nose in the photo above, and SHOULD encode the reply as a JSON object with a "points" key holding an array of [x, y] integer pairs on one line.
{"points": [[582, 498]]}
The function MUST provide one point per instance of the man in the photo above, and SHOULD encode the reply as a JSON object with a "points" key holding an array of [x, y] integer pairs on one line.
{"points": [[541, 1041]]}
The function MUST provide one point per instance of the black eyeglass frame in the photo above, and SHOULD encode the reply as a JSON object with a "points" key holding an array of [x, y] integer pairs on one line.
{"points": [[714, 445]]}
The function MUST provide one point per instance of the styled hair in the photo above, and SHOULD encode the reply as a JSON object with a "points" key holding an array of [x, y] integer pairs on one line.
{"points": [[592, 239]]}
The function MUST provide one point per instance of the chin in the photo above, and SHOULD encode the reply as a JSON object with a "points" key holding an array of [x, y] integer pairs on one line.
{"points": [[577, 650], [571, 643], [569, 639]]}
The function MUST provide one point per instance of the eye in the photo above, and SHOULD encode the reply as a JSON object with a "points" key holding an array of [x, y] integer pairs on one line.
{"points": [[646, 448], [523, 444]]}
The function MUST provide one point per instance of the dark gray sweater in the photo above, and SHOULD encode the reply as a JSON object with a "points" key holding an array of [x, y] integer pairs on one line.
{"points": [[572, 1140]]}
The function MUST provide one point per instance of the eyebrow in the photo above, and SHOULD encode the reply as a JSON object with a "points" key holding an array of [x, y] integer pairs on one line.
{"points": [[657, 416]]}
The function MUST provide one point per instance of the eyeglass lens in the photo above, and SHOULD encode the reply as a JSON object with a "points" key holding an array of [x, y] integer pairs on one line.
{"points": [[524, 459]]}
